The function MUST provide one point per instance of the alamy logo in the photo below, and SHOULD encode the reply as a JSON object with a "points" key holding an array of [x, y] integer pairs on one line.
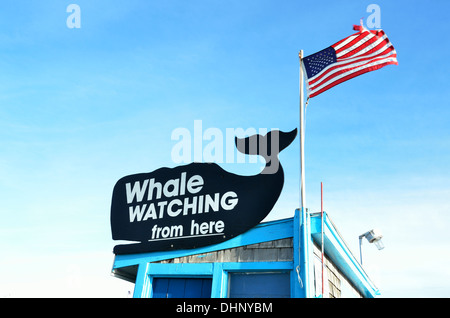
{"points": [[212, 145], [374, 19], [74, 19]]}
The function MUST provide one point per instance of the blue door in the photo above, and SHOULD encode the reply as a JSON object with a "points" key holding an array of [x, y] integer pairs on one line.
{"points": [[259, 285], [182, 287]]}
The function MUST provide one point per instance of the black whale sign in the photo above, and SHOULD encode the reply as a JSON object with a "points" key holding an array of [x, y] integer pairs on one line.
{"points": [[197, 204]]}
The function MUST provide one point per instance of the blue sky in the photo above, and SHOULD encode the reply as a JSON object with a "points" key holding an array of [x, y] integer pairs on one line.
{"points": [[81, 108]]}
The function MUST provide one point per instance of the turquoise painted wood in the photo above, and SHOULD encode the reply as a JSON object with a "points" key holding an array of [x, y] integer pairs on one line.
{"points": [[263, 232], [303, 228], [340, 254], [218, 272]]}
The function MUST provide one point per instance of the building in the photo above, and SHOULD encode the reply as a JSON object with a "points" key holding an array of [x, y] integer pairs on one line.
{"points": [[280, 258]]}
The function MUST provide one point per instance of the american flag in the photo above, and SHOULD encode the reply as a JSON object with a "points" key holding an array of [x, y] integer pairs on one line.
{"points": [[357, 54]]}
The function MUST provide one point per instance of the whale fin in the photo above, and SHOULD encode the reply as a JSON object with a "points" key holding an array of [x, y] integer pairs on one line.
{"points": [[268, 146]]}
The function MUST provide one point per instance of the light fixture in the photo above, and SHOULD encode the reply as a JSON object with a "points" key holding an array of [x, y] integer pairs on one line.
{"points": [[373, 236]]}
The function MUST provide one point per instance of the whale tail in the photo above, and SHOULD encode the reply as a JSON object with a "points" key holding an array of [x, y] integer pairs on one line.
{"points": [[268, 146]]}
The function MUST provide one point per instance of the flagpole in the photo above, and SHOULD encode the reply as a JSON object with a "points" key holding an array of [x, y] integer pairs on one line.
{"points": [[305, 267], [302, 137]]}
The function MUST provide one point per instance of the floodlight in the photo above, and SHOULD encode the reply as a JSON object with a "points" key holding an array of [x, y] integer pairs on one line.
{"points": [[373, 236]]}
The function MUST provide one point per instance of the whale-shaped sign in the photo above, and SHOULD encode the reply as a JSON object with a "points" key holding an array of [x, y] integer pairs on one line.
{"points": [[197, 204]]}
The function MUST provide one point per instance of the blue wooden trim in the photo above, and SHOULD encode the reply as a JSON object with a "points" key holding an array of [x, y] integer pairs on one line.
{"points": [[220, 282], [180, 269], [257, 266], [302, 228], [338, 251], [306, 274], [217, 271], [140, 285], [297, 287], [263, 232]]}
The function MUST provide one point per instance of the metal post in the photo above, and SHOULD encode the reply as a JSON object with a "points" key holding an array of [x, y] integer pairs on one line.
{"points": [[302, 136], [360, 249]]}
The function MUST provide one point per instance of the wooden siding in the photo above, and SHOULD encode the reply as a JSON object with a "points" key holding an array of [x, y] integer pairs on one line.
{"points": [[272, 251], [336, 280]]}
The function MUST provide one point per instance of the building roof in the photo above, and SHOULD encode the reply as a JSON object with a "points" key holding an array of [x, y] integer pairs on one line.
{"points": [[126, 266]]}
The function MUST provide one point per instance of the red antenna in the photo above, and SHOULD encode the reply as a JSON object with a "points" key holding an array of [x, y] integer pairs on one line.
{"points": [[321, 215]]}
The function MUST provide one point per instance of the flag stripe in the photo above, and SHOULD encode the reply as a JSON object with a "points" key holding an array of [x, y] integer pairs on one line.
{"points": [[354, 39], [374, 42], [354, 55], [338, 71], [366, 70], [381, 51], [355, 62], [344, 42], [352, 73], [355, 47]]}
